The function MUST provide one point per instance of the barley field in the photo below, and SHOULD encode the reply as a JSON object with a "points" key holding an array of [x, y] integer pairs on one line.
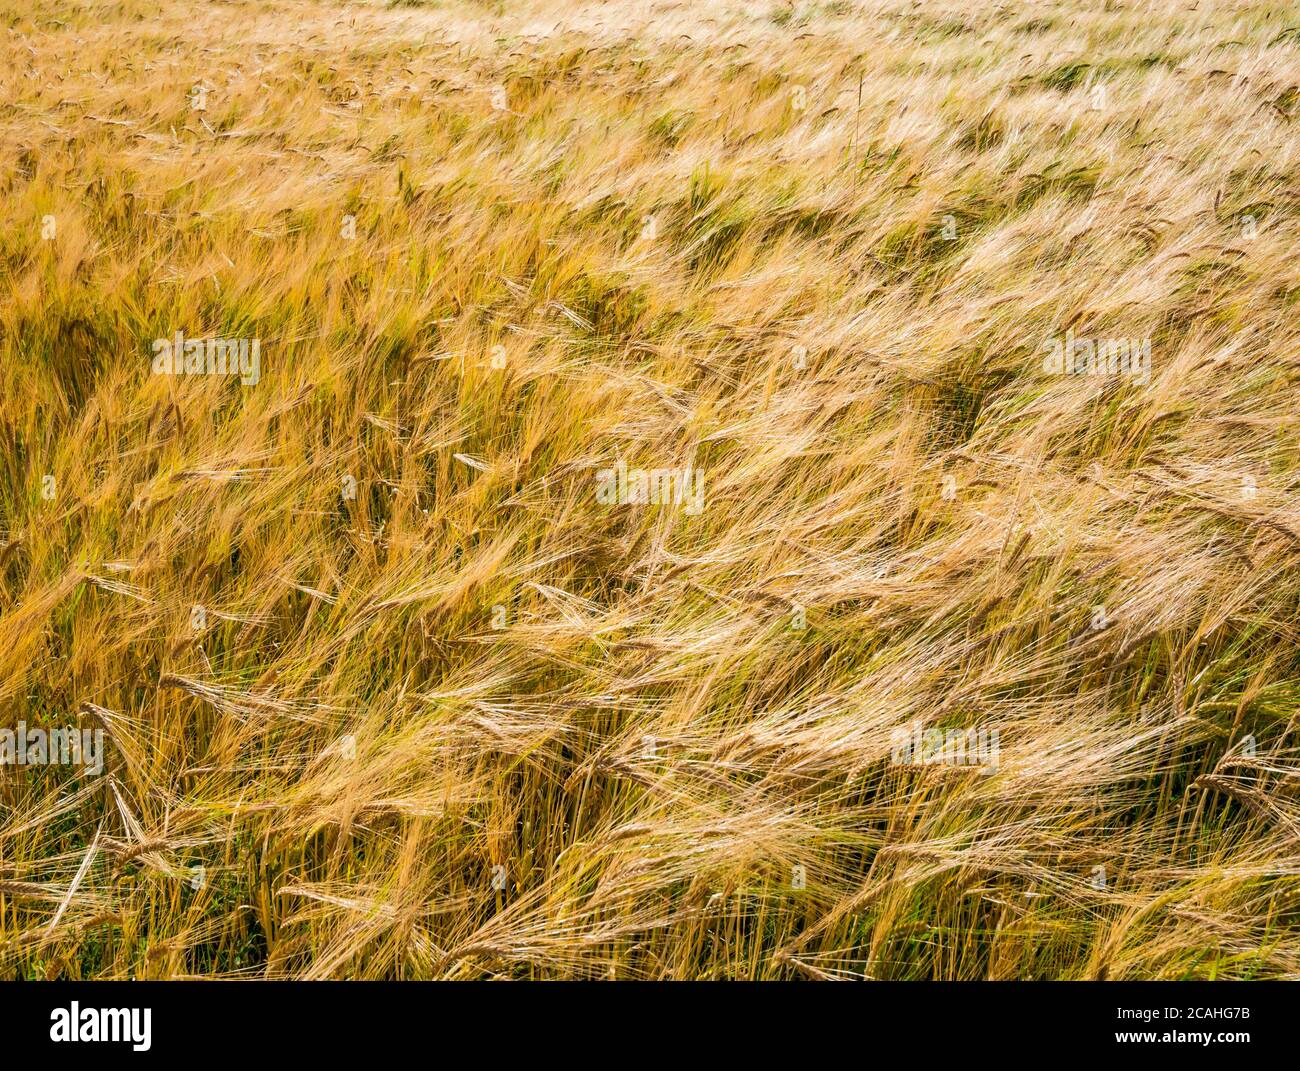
{"points": [[664, 490]]}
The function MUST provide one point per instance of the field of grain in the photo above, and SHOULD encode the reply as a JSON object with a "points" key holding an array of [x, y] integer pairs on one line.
{"points": [[639, 469]]}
